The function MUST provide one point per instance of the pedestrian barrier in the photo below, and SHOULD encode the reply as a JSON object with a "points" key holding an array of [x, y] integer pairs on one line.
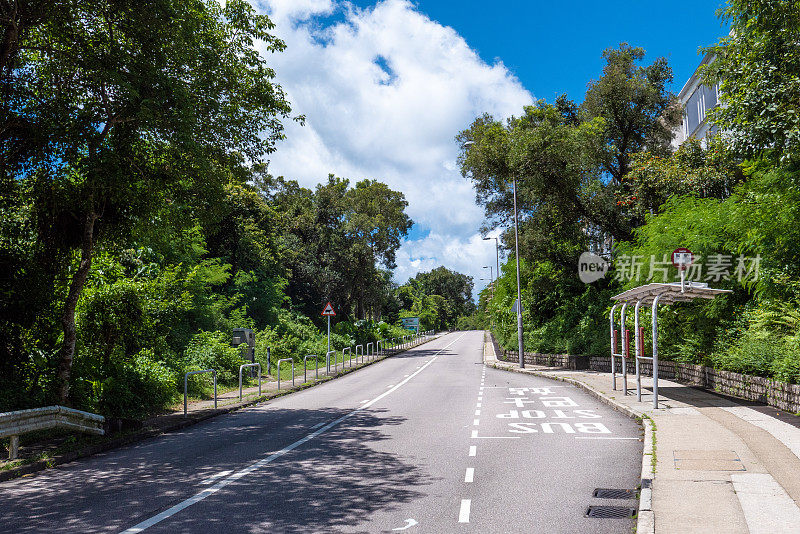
{"points": [[186, 388], [278, 366], [370, 350], [305, 366], [14, 424], [350, 356], [240, 377], [328, 361], [362, 352]]}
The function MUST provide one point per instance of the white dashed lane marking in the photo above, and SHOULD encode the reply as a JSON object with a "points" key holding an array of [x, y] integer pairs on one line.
{"points": [[463, 514], [473, 450], [469, 476]]}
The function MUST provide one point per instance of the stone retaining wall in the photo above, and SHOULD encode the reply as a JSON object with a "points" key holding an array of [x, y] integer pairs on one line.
{"points": [[771, 392], [755, 388]]}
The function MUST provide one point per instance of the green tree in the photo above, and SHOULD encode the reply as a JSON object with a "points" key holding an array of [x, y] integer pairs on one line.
{"points": [[135, 107], [756, 67]]}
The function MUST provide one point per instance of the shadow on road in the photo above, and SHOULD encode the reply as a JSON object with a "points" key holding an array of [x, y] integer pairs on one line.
{"points": [[331, 482]]}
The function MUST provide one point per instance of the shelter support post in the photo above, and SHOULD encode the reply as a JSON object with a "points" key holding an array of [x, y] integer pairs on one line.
{"points": [[623, 334], [637, 350], [613, 346], [655, 351]]}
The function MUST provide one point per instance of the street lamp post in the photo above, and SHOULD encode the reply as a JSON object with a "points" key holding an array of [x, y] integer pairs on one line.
{"points": [[521, 345], [497, 252], [516, 249]]}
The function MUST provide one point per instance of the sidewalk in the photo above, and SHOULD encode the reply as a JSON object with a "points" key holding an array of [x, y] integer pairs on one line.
{"points": [[722, 465]]}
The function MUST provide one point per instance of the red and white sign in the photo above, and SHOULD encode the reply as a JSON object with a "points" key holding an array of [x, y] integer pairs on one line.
{"points": [[682, 258], [328, 311]]}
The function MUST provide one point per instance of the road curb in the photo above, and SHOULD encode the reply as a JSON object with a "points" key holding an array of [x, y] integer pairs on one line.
{"points": [[181, 422], [645, 522]]}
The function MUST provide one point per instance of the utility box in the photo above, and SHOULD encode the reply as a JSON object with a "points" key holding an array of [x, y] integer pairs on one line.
{"points": [[244, 335]]}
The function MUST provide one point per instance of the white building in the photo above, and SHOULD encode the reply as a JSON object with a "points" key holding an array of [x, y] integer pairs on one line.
{"points": [[697, 99]]}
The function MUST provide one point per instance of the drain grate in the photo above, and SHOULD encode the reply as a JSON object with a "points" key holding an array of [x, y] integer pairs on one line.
{"points": [[606, 493], [610, 512]]}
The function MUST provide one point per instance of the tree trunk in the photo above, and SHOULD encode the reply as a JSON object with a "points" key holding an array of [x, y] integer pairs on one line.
{"points": [[68, 314]]}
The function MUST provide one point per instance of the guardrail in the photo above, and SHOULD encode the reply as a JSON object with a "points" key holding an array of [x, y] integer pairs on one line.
{"points": [[278, 368], [240, 377], [305, 366], [14, 424], [186, 388]]}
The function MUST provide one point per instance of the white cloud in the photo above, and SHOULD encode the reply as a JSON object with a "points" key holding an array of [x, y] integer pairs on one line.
{"points": [[384, 91]]}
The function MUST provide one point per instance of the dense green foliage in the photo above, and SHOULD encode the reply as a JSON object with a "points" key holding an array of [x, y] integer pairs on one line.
{"points": [[439, 298], [733, 200], [756, 67], [138, 224]]}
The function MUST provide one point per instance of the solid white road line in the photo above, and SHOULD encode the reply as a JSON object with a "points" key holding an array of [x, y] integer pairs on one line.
{"points": [[476, 436], [212, 478], [194, 499], [463, 514], [590, 437], [469, 476], [473, 450]]}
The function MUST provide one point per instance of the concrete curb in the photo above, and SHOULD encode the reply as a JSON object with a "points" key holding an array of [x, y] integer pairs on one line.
{"points": [[645, 522], [181, 422]]}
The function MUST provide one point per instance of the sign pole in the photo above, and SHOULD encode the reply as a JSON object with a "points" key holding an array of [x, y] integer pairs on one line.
{"points": [[329, 333]]}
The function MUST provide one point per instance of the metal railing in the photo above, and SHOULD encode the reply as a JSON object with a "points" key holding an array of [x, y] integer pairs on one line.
{"points": [[14, 424], [278, 368], [328, 361], [350, 354], [240, 377], [369, 350], [361, 353], [186, 388], [305, 366]]}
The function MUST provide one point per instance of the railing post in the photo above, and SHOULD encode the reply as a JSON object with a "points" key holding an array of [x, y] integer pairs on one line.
{"points": [[241, 367], [13, 447], [214, 374]]}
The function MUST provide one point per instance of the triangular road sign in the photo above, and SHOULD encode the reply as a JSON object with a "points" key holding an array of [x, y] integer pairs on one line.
{"points": [[328, 311]]}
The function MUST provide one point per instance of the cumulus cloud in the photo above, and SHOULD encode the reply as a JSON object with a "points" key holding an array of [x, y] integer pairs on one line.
{"points": [[384, 91]]}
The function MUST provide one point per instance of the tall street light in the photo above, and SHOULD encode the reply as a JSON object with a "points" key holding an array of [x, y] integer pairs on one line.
{"points": [[497, 252], [516, 249], [521, 345]]}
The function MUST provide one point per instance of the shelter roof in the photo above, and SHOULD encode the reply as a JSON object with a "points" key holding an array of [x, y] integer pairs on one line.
{"points": [[670, 293]]}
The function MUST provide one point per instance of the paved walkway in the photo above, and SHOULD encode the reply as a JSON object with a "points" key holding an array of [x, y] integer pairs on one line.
{"points": [[722, 465]]}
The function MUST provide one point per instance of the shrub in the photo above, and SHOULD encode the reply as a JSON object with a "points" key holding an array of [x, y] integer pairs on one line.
{"points": [[212, 350], [137, 387]]}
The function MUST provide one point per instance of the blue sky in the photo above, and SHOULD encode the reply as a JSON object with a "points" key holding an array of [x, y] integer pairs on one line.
{"points": [[386, 86], [555, 47]]}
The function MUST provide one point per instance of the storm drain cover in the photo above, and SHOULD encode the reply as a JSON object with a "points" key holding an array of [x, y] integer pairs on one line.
{"points": [[612, 512], [606, 493]]}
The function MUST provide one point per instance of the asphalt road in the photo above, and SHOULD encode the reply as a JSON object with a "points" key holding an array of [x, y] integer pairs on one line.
{"points": [[429, 440]]}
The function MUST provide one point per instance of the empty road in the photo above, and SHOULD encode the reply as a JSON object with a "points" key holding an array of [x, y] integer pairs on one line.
{"points": [[427, 441]]}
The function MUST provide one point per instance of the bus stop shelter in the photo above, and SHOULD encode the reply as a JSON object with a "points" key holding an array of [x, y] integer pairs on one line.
{"points": [[651, 295]]}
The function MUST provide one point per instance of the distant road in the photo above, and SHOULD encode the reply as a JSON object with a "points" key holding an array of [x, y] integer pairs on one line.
{"points": [[427, 441]]}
